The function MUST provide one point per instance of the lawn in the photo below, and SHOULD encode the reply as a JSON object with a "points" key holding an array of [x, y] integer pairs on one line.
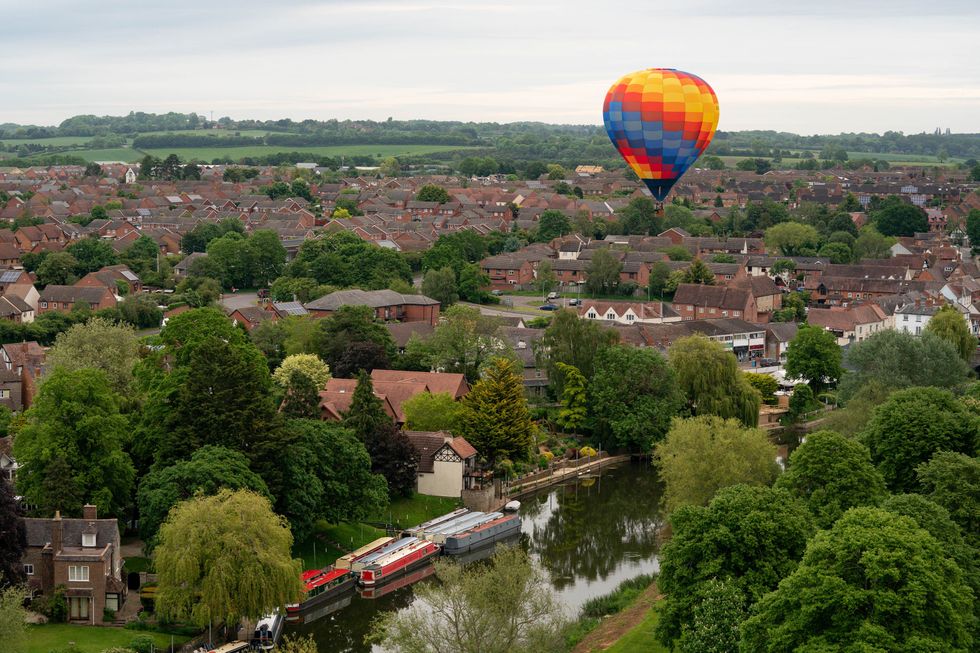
{"points": [[136, 564], [56, 140], [640, 638], [125, 154], [406, 512], [208, 154], [350, 535], [88, 639], [922, 160]]}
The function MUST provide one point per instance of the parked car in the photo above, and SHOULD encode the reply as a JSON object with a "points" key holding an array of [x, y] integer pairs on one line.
{"points": [[553, 295], [496, 293], [574, 302], [549, 307]]}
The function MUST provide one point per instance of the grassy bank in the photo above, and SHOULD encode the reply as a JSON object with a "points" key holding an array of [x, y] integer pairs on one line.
{"points": [[640, 637], [606, 619], [412, 511], [89, 639]]}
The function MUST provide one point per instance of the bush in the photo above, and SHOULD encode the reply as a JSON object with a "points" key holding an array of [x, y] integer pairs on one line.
{"points": [[142, 644], [587, 452], [617, 600], [108, 615], [801, 402]]}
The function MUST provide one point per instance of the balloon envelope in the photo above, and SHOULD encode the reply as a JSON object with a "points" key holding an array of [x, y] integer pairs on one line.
{"points": [[660, 120]]}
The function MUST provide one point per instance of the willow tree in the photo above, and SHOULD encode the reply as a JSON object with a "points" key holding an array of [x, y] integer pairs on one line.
{"points": [[950, 325], [710, 378], [223, 558]]}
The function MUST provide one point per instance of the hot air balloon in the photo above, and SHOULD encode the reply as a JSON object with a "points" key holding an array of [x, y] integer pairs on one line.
{"points": [[660, 120]]}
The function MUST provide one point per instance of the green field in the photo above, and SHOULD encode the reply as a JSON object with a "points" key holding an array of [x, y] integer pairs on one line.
{"points": [[214, 132], [208, 154], [895, 159], [87, 639], [406, 512], [640, 638], [57, 140]]}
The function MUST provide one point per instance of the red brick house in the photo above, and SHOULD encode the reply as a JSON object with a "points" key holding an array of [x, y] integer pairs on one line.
{"points": [[695, 302], [393, 388], [387, 305], [111, 277], [506, 271], [64, 298], [80, 554]]}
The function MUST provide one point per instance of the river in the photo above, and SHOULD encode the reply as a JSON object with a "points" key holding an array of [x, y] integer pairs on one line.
{"points": [[586, 535]]}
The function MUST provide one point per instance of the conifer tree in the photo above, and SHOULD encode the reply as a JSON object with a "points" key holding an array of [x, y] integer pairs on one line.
{"points": [[573, 399], [698, 272], [302, 399], [497, 420], [366, 413]]}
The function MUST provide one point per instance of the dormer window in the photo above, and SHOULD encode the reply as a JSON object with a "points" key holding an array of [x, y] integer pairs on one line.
{"points": [[88, 539]]}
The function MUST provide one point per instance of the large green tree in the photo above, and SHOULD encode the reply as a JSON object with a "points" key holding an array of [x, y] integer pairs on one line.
{"points": [[875, 581], [13, 619], [701, 455], [792, 239], [894, 359], [463, 342], [91, 254], [710, 379], [432, 412], [223, 558], [831, 474], [351, 340], [750, 537], [950, 325], [573, 341], [603, 272], [497, 420], [13, 536], [896, 217], [98, 344], [327, 476], [503, 607], [633, 396], [71, 446], [441, 286], [914, 424], [814, 356], [208, 470], [574, 399], [953, 481], [552, 224]]}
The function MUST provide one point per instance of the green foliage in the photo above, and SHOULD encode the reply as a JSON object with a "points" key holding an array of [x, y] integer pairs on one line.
{"points": [[703, 454], [698, 272], [432, 193], [640, 217], [801, 401], [552, 224], [344, 260], [574, 342], [212, 552], [678, 253], [574, 399], [350, 340], [441, 286], [97, 344], [914, 424], [836, 252], [544, 277], [72, 440], [765, 384], [91, 254], [814, 356], [308, 364], [659, 273], [327, 473], [871, 243], [874, 581], [619, 599], [792, 238], [973, 224], [142, 644], [141, 311], [463, 343], [749, 537], [717, 620], [503, 607], [710, 379], [895, 359], [13, 618], [632, 396], [830, 474], [57, 268], [896, 217], [603, 272], [432, 412], [496, 419], [952, 480], [208, 470], [950, 325]]}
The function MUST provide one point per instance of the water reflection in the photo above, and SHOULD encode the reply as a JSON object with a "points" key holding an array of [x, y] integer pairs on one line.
{"points": [[587, 535]]}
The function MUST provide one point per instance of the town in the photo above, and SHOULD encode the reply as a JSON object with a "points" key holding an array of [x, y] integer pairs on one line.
{"points": [[344, 357]]}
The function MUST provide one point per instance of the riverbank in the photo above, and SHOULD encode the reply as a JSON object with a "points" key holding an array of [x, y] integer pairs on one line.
{"points": [[559, 474], [612, 621]]}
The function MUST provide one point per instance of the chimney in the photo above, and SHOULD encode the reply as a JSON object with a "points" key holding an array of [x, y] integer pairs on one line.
{"points": [[56, 532], [90, 512]]}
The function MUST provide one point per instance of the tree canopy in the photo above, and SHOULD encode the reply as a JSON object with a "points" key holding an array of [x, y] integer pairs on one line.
{"points": [[914, 424], [703, 454], [874, 581], [830, 474], [98, 344], [950, 325], [225, 557], [496, 419], [710, 379], [814, 356], [432, 412], [633, 396], [572, 341], [953, 481]]}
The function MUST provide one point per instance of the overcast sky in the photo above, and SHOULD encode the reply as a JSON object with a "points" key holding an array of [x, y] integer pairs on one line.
{"points": [[806, 67]]}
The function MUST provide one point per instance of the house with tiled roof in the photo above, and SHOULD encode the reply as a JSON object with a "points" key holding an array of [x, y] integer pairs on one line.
{"points": [[387, 305], [65, 298], [624, 312], [446, 465], [696, 301], [852, 323]]}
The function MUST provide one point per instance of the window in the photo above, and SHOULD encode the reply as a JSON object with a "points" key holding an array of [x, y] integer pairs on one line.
{"points": [[4, 393], [44, 304], [630, 317], [88, 539], [77, 574], [112, 602], [29, 570]]}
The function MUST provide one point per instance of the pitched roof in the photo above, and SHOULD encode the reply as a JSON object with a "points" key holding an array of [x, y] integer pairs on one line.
{"points": [[371, 298], [715, 296], [454, 384], [73, 294]]}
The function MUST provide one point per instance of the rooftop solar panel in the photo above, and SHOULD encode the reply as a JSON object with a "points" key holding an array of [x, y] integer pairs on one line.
{"points": [[9, 276]]}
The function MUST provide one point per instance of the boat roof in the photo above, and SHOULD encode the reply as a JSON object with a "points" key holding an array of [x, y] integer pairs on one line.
{"points": [[327, 576], [389, 548], [466, 522], [367, 548], [391, 556], [310, 573], [442, 518]]}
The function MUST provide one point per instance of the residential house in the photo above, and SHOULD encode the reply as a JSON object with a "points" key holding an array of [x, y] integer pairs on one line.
{"points": [[387, 305], [447, 464], [251, 316], [624, 312], [507, 270], [913, 318], [115, 278], [65, 298], [15, 309], [849, 324], [8, 466], [778, 337], [393, 388], [82, 555], [695, 302], [744, 339]]}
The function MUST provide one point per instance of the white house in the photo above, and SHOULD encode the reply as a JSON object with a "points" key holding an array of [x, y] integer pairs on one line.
{"points": [[913, 318], [628, 312], [447, 465]]}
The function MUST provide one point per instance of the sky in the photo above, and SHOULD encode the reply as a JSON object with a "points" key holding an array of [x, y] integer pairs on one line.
{"points": [[803, 67]]}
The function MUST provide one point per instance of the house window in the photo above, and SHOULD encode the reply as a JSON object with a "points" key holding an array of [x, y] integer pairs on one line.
{"points": [[630, 317], [77, 573], [88, 539], [112, 602], [4, 393], [44, 304], [29, 570]]}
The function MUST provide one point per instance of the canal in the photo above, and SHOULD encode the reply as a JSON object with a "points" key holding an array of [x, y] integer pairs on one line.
{"points": [[586, 535]]}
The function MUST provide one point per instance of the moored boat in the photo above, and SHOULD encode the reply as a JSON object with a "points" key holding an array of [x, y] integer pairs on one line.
{"points": [[352, 559], [412, 577], [267, 631], [482, 534], [397, 559], [321, 585]]}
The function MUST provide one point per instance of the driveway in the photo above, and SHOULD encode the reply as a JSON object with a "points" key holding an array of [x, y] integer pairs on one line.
{"points": [[239, 300]]}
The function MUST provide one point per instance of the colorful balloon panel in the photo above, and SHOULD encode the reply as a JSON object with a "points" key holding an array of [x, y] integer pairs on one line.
{"points": [[660, 120]]}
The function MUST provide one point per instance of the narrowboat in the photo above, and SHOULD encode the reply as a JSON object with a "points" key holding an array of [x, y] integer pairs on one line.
{"points": [[410, 578], [396, 559], [352, 560], [482, 533], [321, 585], [267, 632]]}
